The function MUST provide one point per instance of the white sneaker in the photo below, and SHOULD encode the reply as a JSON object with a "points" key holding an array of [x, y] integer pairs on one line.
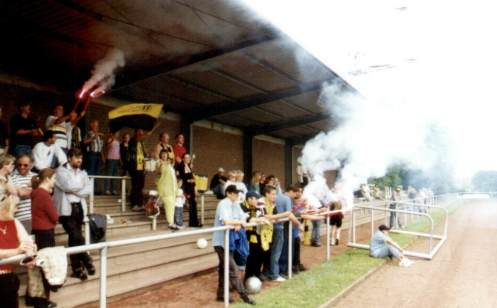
{"points": [[279, 279], [406, 263]]}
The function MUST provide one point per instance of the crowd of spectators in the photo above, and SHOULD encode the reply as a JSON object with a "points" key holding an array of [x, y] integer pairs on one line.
{"points": [[61, 163]]}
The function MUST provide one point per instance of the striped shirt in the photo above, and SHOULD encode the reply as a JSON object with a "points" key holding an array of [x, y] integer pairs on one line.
{"points": [[23, 212], [96, 144], [60, 131]]}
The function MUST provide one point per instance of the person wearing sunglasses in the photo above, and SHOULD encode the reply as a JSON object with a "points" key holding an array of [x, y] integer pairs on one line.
{"points": [[21, 179]]}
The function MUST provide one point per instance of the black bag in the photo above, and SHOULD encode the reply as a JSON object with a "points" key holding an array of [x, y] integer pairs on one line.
{"points": [[98, 227]]}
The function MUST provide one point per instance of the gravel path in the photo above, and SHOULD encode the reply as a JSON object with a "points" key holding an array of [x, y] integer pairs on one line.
{"points": [[462, 274]]}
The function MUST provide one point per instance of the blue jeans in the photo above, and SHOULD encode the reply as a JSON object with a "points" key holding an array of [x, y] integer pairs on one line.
{"points": [[22, 149], [178, 216], [284, 251], [386, 251], [316, 235], [276, 248], [93, 163], [112, 169], [394, 217]]}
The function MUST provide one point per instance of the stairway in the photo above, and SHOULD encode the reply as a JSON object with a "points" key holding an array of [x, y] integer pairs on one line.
{"points": [[140, 265]]}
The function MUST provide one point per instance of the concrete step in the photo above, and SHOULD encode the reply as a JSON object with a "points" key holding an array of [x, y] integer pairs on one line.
{"points": [[139, 265]]}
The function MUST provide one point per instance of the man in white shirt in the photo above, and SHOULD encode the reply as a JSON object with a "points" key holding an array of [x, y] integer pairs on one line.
{"points": [[46, 151], [71, 189]]}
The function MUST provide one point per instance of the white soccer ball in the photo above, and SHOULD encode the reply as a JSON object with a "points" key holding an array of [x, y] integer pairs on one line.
{"points": [[202, 243], [253, 285]]}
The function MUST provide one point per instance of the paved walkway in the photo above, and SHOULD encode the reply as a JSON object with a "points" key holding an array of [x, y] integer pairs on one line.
{"points": [[462, 274]]}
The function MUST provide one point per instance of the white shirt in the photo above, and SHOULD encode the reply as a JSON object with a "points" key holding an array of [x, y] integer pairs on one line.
{"points": [[61, 131], [43, 155]]}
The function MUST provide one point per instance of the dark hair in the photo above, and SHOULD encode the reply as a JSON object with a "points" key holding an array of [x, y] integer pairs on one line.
{"points": [[268, 189], [23, 104], [293, 187], [231, 189], [179, 134], [48, 135], [383, 228], [44, 174], [162, 152], [24, 155], [162, 134], [74, 153]]}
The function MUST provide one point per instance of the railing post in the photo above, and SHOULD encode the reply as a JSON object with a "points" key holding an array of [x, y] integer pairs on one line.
{"points": [[353, 226], [92, 194], [290, 252], [123, 194], [103, 277], [226, 267], [328, 242], [87, 231], [202, 208], [372, 222]]}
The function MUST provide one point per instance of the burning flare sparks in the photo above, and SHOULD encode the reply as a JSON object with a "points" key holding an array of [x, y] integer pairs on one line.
{"points": [[103, 74]]}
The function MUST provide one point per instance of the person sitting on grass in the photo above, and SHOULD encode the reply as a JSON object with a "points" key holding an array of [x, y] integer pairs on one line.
{"points": [[383, 246]]}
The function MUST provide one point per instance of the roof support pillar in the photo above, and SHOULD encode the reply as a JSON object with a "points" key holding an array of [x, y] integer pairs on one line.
{"points": [[248, 139], [187, 131], [288, 159]]}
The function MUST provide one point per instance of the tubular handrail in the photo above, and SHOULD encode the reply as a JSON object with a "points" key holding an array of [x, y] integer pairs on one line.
{"points": [[430, 235]]}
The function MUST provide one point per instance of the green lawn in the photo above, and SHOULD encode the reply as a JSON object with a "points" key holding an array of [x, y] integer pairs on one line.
{"points": [[317, 285]]}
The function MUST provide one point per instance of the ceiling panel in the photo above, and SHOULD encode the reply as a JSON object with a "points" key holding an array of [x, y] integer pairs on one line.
{"points": [[284, 109]]}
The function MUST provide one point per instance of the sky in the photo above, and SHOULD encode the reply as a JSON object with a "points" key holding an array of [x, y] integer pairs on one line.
{"points": [[429, 61]]}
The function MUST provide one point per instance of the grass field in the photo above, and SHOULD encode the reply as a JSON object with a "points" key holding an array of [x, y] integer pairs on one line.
{"points": [[317, 285]]}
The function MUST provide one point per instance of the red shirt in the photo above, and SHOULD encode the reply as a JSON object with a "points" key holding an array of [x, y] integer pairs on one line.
{"points": [[43, 210], [179, 150], [8, 239]]}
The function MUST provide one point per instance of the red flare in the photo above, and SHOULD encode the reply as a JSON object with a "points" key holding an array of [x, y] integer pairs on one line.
{"points": [[82, 93], [97, 93]]}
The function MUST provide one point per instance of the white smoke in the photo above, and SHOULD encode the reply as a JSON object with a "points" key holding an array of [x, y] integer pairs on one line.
{"points": [[417, 66], [103, 77]]}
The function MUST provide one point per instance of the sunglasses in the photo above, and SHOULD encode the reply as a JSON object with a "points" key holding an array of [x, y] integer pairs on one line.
{"points": [[22, 165]]}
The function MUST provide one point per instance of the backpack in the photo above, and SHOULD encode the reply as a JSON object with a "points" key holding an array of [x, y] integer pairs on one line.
{"points": [[98, 227]]}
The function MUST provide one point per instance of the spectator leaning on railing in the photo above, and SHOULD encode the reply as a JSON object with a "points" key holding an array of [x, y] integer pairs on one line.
{"points": [[229, 212], [14, 240]]}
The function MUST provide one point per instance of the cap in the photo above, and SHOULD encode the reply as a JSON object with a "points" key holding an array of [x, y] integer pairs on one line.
{"points": [[253, 194], [220, 169], [232, 189], [383, 228]]}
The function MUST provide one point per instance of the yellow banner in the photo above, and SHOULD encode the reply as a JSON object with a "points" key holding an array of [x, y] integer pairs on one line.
{"points": [[152, 110]]}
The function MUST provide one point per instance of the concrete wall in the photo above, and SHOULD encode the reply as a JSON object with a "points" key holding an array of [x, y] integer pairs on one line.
{"points": [[216, 146], [268, 157]]}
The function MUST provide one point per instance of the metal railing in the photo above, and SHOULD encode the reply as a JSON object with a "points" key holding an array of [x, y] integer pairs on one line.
{"points": [[104, 247], [123, 180], [432, 250]]}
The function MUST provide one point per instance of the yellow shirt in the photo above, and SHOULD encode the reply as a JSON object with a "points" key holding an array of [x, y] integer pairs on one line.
{"points": [[140, 157]]}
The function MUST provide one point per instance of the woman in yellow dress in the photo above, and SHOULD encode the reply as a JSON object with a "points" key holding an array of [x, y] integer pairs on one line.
{"points": [[167, 187]]}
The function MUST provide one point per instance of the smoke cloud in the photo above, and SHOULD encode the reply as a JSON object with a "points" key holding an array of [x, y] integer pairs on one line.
{"points": [[425, 80], [103, 77]]}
